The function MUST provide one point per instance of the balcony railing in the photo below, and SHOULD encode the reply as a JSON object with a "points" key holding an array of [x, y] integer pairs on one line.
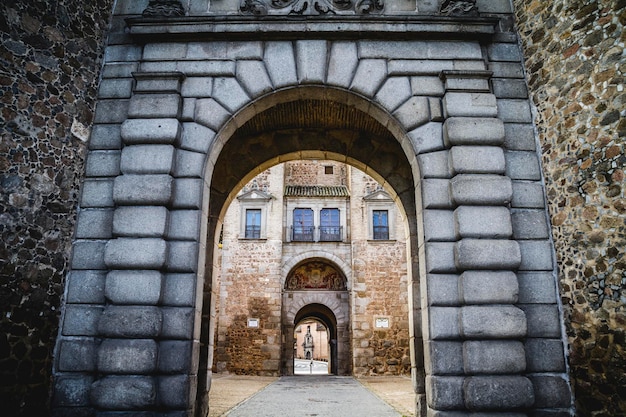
{"points": [[381, 232], [253, 232], [330, 233], [316, 234], [302, 234]]}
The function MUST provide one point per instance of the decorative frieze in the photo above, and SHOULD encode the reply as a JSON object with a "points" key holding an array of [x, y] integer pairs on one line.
{"points": [[315, 7]]}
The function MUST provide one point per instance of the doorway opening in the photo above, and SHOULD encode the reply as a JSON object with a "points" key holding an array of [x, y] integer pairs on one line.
{"points": [[311, 348], [315, 341]]}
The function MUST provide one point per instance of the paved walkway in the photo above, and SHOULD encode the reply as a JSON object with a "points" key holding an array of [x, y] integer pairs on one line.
{"points": [[303, 396]]}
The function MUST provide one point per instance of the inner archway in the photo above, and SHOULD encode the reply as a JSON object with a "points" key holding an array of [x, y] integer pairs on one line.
{"points": [[310, 123]]}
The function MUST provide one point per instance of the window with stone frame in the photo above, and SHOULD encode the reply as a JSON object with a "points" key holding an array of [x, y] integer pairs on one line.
{"points": [[254, 207], [330, 225], [380, 215], [380, 224], [303, 229]]}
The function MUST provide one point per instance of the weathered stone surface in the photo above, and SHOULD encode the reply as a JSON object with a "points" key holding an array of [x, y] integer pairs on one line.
{"points": [[522, 165], [444, 392], [88, 254], [530, 224], [551, 391], [444, 323], [178, 323], [342, 63], [514, 111], [147, 159], [142, 189], [545, 355], [536, 255], [103, 164], [72, 391], [105, 137], [140, 221], [488, 287], [311, 61], [184, 224], [473, 131], [86, 287], [369, 75], [439, 226], [435, 164], [94, 224], [443, 289], [494, 357], [477, 160], [187, 193], [124, 392], [134, 287], [280, 63], [482, 222], [493, 322], [543, 320], [536, 287], [133, 253], [469, 105], [130, 321], [487, 254], [175, 391], [211, 114], [116, 356], [501, 392], [97, 193], [81, 320], [77, 355], [436, 194], [153, 131], [179, 290], [154, 106], [395, 91], [427, 138], [527, 195], [175, 356], [520, 137], [476, 189], [444, 358], [253, 77], [229, 93], [440, 257]]}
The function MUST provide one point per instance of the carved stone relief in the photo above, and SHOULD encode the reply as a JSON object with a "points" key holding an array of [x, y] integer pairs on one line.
{"points": [[164, 8], [311, 7], [459, 8], [315, 275]]}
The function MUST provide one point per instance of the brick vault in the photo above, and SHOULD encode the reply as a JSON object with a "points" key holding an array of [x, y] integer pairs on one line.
{"points": [[426, 98]]}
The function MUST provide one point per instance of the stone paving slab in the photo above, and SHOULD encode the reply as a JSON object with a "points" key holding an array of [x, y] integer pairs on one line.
{"points": [[328, 396]]}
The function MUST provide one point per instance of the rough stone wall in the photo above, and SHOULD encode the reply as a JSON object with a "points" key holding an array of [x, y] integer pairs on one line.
{"points": [[575, 63], [250, 288], [313, 173], [380, 289], [50, 58]]}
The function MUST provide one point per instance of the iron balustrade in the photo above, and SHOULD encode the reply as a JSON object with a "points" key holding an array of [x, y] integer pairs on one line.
{"points": [[253, 232], [330, 233], [302, 233], [381, 232]]}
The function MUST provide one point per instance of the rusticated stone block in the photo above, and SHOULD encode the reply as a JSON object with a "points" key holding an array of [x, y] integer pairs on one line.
{"points": [[153, 131], [119, 356], [551, 391], [124, 392], [476, 189], [127, 253], [473, 131], [492, 322], [103, 163], [143, 190], [141, 221], [477, 160], [445, 392], [498, 392], [444, 323], [439, 226], [176, 356], [436, 193], [134, 287], [179, 290], [487, 254], [154, 106], [488, 287], [494, 357], [177, 391], [77, 355], [545, 355], [131, 321], [413, 113], [281, 63], [72, 391], [444, 357], [434, 164], [440, 257], [482, 222], [369, 75], [178, 322], [147, 159], [537, 287], [86, 287], [81, 320], [543, 320], [470, 104], [229, 93], [443, 290], [311, 61]]}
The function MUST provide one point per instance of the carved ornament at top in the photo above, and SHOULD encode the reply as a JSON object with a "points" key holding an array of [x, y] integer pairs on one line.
{"points": [[164, 8], [459, 8], [311, 7]]}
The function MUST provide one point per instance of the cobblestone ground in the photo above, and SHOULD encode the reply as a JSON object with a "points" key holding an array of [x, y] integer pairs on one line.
{"points": [[329, 396]]}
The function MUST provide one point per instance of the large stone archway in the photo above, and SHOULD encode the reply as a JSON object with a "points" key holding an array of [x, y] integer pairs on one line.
{"points": [[199, 116]]}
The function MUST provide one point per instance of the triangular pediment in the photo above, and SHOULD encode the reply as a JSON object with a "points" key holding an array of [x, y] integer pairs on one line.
{"points": [[378, 195], [255, 195]]}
